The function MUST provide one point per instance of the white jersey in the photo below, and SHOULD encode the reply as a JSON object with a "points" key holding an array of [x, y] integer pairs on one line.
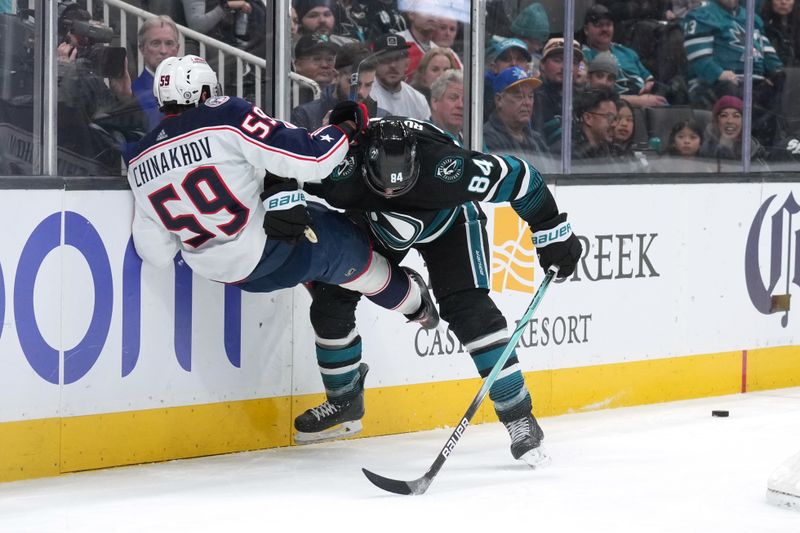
{"points": [[197, 177]]}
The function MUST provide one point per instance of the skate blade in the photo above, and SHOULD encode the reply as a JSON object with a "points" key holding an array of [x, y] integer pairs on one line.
{"points": [[536, 458], [783, 499], [342, 431]]}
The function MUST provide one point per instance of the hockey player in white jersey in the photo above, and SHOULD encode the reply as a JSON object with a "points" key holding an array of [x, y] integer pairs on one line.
{"points": [[197, 180]]}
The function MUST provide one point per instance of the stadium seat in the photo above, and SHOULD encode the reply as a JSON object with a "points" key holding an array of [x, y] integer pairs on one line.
{"points": [[661, 119], [791, 99]]}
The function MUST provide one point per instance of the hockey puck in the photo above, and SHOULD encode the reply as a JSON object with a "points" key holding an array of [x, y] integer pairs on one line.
{"points": [[722, 414]]}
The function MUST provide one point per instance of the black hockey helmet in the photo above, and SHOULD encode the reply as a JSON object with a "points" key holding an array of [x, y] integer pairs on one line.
{"points": [[391, 166]]}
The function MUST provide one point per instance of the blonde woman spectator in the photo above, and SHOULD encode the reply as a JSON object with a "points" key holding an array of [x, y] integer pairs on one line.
{"points": [[431, 66]]}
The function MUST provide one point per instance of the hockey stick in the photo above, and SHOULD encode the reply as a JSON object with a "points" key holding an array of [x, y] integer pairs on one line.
{"points": [[420, 485]]}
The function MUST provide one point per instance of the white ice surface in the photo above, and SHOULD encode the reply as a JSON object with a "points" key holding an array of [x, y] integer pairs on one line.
{"points": [[659, 468]]}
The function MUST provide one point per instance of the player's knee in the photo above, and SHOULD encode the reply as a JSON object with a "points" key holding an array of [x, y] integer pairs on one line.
{"points": [[333, 310], [471, 314]]}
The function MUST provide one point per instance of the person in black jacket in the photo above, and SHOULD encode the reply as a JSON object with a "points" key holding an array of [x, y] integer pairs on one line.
{"points": [[414, 186]]}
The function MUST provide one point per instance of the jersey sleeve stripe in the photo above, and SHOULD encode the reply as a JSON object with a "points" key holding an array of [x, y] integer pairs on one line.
{"points": [[231, 129], [490, 195]]}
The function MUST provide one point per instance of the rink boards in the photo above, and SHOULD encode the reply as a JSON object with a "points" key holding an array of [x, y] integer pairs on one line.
{"points": [[682, 293]]}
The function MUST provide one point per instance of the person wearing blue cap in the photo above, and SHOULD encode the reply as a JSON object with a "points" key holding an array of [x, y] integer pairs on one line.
{"points": [[501, 55], [509, 126]]}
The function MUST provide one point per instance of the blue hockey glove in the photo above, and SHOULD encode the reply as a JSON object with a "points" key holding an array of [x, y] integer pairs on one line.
{"points": [[557, 245]]}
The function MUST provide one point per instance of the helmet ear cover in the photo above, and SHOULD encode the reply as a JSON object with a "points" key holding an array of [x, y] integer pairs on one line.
{"points": [[391, 167], [181, 80]]}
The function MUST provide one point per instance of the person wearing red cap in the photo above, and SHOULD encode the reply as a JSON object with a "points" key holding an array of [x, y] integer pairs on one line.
{"points": [[723, 139]]}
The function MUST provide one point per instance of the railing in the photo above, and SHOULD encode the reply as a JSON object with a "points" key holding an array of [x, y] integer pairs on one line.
{"points": [[225, 52]]}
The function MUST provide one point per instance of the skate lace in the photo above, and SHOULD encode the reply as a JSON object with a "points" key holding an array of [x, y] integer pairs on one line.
{"points": [[326, 409], [519, 429]]}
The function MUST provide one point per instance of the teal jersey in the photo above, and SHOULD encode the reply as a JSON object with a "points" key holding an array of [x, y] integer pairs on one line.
{"points": [[632, 73], [715, 41]]}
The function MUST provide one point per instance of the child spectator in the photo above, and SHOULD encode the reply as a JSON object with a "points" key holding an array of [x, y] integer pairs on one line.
{"points": [[685, 139]]}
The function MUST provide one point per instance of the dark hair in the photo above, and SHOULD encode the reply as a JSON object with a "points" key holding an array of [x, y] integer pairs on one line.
{"points": [[771, 18], [591, 98], [692, 124], [624, 103]]}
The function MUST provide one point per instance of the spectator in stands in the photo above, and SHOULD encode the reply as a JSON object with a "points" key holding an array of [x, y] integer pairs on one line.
{"points": [[681, 7], [109, 115], [446, 32], [383, 17], [295, 27], [502, 54], [433, 64], [548, 110], [714, 43], [782, 28], [532, 27], [509, 126], [723, 138], [158, 40], [603, 71], [351, 17], [634, 81], [312, 115], [317, 17], [418, 36], [623, 136], [595, 117], [447, 102], [685, 139], [314, 58], [390, 91]]}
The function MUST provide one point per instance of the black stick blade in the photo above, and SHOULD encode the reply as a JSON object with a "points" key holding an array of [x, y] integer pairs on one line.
{"points": [[406, 488]]}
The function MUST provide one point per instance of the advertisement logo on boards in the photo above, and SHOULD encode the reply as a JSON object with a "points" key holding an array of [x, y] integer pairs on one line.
{"points": [[613, 256], [772, 232]]}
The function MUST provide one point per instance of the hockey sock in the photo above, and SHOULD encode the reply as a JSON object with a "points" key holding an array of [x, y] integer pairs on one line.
{"points": [[511, 398], [338, 361], [387, 285]]}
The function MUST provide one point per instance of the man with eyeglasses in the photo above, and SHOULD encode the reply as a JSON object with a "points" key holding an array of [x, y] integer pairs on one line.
{"points": [[595, 117], [158, 40], [508, 129], [390, 91]]}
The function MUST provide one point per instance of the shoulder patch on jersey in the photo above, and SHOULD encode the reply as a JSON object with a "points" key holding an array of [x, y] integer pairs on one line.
{"points": [[450, 169], [217, 101], [345, 169]]}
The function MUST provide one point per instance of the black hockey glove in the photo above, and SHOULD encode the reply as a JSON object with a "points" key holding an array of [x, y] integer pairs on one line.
{"points": [[287, 217], [556, 245], [346, 111]]}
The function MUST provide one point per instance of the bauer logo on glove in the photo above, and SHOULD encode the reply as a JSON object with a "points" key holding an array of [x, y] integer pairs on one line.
{"points": [[557, 245], [285, 200], [558, 234]]}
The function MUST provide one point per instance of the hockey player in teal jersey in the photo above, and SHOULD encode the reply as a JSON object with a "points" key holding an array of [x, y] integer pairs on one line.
{"points": [[414, 186], [715, 48]]}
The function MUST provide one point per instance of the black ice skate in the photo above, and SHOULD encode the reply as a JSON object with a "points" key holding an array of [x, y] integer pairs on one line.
{"points": [[333, 419], [427, 316], [526, 441]]}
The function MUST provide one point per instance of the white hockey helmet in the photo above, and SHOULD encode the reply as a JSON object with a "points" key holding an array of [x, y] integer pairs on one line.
{"points": [[180, 80]]}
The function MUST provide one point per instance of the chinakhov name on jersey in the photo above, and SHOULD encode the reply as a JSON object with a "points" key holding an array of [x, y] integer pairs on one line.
{"points": [[181, 155]]}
